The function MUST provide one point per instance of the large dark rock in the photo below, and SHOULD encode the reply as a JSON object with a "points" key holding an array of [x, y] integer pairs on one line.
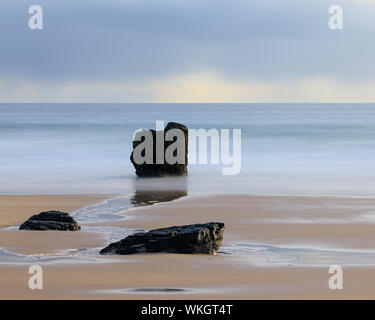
{"points": [[51, 220], [195, 238], [165, 169]]}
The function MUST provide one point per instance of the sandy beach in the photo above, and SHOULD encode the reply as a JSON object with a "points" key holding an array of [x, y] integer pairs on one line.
{"points": [[321, 228], [187, 150]]}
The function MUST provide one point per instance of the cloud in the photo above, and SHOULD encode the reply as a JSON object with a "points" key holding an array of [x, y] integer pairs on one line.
{"points": [[194, 88], [128, 45]]}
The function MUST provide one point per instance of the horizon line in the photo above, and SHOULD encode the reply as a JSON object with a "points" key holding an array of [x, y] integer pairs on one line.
{"points": [[51, 102]]}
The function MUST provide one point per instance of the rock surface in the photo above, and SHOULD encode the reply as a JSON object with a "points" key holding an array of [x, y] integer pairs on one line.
{"points": [[195, 238], [165, 169], [51, 220]]}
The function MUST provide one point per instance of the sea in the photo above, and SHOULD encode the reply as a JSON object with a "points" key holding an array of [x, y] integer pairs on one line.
{"points": [[286, 149]]}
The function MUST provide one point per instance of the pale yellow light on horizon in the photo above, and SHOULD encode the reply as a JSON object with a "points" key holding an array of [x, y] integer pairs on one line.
{"points": [[188, 88], [206, 87], [209, 87]]}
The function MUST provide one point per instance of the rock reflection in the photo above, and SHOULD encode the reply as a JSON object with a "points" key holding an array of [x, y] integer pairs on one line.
{"points": [[150, 193]]}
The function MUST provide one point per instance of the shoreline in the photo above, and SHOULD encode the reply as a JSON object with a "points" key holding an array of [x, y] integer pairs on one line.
{"points": [[227, 276], [192, 193]]}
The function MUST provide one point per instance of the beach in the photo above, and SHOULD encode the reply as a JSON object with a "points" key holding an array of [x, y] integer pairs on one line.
{"points": [[275, 247], [187, 150], [302, 202]]}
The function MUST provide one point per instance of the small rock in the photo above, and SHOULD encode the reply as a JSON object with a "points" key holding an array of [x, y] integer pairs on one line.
{"points": [[195, 238], [51, 220]]}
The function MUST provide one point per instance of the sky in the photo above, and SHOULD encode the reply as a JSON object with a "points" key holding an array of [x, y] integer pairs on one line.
{"points": [[187, 51]]}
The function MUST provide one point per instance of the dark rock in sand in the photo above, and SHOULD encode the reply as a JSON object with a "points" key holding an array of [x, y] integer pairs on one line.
{"points": [[165, 169], [195, 238], [51, 220]]}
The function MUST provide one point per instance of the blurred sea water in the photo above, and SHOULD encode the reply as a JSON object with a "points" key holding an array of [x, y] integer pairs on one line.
{"points": [[298, 149]]}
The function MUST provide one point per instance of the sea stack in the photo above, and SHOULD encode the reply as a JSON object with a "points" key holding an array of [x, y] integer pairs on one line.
{"points": [[160, 165]]}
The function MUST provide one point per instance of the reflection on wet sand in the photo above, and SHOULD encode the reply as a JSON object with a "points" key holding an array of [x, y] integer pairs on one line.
{"points": [[148, 193], [146, 198]]}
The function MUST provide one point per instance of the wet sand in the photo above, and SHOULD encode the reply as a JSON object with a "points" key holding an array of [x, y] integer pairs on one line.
{"points": [[198, 277], [15, 209], [328, 222], [321, 222]]}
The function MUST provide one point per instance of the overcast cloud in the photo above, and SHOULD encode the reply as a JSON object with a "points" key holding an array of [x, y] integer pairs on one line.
{"points": [[177, 50]]}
